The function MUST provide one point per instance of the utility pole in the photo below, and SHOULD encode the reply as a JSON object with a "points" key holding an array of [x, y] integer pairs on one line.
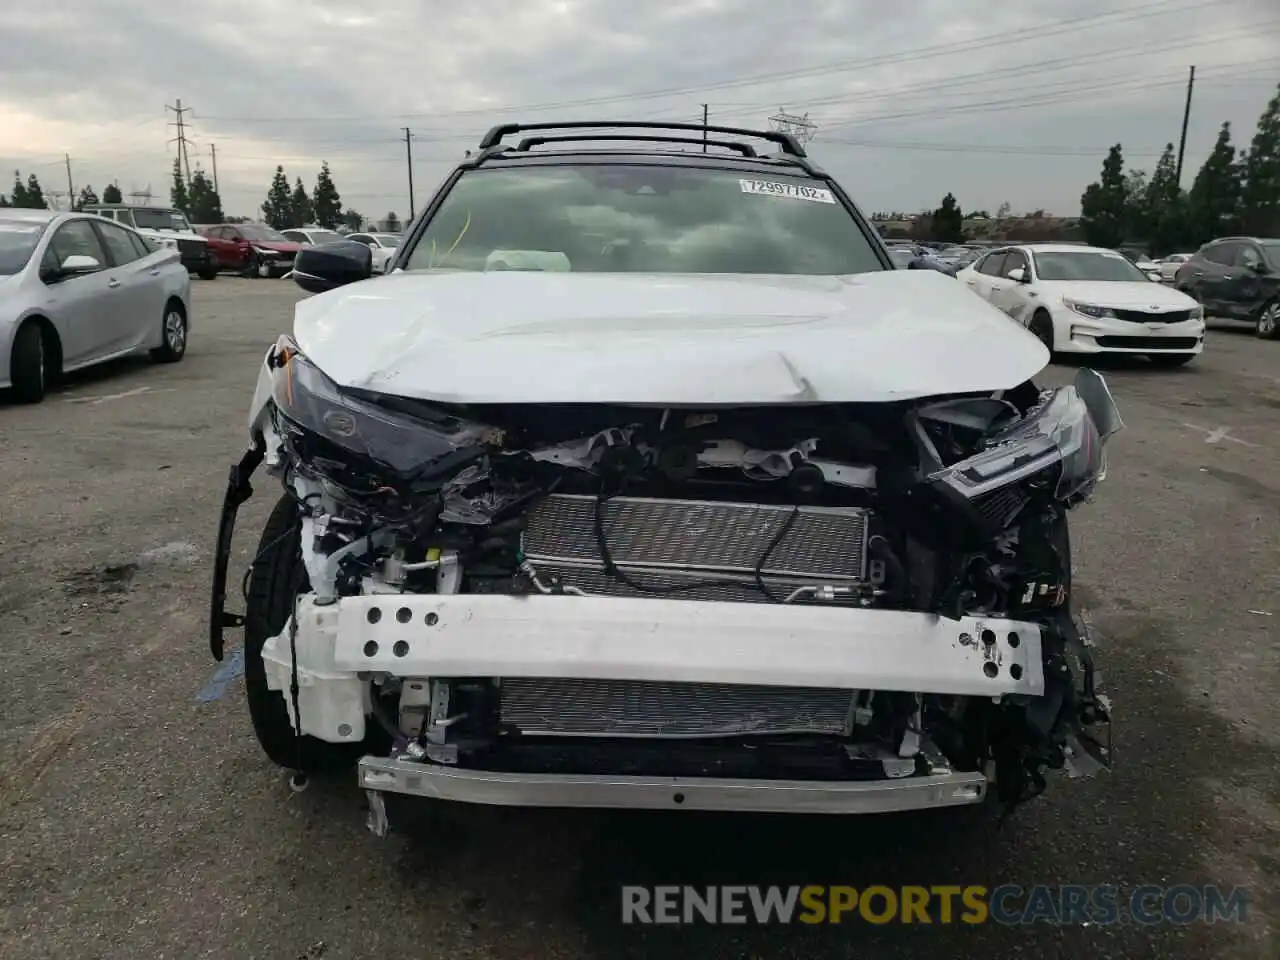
{"points": [[408, 155], [1186, 115], [704, 128], [213, 156], [71, 191], [184, 157]]}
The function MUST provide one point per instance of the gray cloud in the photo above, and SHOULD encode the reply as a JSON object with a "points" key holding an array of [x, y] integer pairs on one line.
{"points": [[910, 100]]}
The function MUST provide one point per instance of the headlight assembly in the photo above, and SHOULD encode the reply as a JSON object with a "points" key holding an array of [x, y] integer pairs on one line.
{"points": [[332, 431], [1092, 311], [1061, 437]]}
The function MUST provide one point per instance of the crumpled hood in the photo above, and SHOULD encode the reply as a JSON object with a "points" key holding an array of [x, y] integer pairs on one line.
{"points": [[1138, 295], [517, 337]]}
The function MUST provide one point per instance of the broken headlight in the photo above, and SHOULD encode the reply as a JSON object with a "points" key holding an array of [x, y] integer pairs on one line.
{"points": [[333, 431], [1057, 439]]}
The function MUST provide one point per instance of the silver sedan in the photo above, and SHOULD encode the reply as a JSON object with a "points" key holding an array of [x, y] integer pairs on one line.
{"points": [[77, 289]]}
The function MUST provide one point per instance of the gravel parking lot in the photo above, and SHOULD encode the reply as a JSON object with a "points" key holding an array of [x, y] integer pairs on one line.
{"points": [[138, 818]]}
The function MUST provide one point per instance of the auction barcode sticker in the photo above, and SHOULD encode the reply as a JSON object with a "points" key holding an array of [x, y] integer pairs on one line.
{"points": [[792, 191]]}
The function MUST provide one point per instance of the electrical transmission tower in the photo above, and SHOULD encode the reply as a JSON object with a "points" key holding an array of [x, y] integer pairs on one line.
{"points": [[799, 126], [184, 155]]}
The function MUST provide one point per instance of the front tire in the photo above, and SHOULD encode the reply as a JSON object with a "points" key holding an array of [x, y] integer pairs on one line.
{"points": [[278, 575], [1042, 326], [209, 273], [1267, 326], [27, 364]]}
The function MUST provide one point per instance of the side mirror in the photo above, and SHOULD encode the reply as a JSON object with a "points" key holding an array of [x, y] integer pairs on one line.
{"points": [[1260, 267], [79, 263], [1018, 274], [326, 266]]}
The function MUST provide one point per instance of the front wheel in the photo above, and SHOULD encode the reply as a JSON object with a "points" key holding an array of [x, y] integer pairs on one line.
{"points": [[277, 576], [209, 273], [1170, 360], [1042, 327], [1267, 326]]}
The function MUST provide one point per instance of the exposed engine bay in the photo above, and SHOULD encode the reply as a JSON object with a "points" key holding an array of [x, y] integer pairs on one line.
{"points": [[954, 507]]}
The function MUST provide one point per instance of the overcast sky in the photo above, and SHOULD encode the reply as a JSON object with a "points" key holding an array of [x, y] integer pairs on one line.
{"points": [[1011, 102]]}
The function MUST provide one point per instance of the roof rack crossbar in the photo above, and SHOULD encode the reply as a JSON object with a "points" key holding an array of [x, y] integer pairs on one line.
{"points": [[788, 144], [743, 148]]}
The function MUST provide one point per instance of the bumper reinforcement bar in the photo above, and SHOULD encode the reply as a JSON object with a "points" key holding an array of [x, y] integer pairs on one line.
{"points": [[386, 775]]}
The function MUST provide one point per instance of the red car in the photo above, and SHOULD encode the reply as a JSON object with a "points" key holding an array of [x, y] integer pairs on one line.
{"points": [[251, 249]]}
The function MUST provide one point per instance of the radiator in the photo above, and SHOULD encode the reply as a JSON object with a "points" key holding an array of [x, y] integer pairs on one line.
{"points": [[710, 546], [627, 708]]}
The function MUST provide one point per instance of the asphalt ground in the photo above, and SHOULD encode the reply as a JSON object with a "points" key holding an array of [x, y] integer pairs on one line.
{"points": [[138, 818]]}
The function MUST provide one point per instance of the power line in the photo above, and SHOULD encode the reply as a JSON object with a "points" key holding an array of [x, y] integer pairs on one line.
{"points": [[1162, 8]]}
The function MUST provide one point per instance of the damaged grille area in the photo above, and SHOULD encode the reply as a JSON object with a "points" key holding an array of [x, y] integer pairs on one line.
{"points": [[625, 708], [824, 544]]}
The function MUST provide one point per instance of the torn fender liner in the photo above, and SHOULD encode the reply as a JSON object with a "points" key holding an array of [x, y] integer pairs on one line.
{"points": [[238, 491]]}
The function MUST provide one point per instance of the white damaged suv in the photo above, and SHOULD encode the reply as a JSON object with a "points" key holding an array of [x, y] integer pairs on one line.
{"points": [[700, 504]]}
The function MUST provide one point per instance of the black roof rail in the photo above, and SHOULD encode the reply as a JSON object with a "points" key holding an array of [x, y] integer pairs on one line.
{"points": [[743, 148], [788, 144]]}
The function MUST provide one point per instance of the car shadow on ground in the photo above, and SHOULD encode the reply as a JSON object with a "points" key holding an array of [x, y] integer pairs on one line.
{"points": [[114, 376]]}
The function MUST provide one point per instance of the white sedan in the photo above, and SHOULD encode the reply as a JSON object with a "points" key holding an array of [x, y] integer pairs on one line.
{"points": [[383, 246], [1169, 265], [76, 290], [312, 235], [1080, 299]]}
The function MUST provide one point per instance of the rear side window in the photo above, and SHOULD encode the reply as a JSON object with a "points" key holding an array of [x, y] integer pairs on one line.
{"points": [[1013, 260], [992, 264], [118, 244], [603, 218], [1219, 253]]}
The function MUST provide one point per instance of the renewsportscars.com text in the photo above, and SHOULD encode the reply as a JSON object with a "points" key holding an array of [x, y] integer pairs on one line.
{"points": [[1007, 904]]}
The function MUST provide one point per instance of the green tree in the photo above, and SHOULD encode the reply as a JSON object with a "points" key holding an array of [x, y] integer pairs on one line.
{"points": [[1166, 206], [112, 194], [1102, 206], [206, 205], [325, 200], [300, 205], [1260, 193], [352, 219], [1004, 210], [277, 210], [87, 198], [393, 222], [35, 196], [19, 190], [1214, 201], [1137, 215], [178, 195], [947, 222]]}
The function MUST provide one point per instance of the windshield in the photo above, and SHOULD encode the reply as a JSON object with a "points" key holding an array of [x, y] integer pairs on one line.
{"points": [[653, 219], [1271, 250], [253, 231], [387, 240], [159, 220], [17, 240], [901, 256], [324, 236], [1086, 265]]}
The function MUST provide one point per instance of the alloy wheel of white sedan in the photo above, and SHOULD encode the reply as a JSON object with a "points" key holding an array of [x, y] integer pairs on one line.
{"points": [[174, 331]]}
